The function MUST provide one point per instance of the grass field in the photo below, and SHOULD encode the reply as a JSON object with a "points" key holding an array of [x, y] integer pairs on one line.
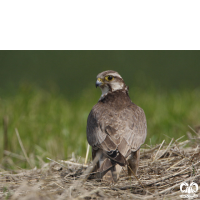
{"points": [[50, 124]]}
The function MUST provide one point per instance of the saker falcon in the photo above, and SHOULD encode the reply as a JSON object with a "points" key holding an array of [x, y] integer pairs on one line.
{"points": [[116, 128]]}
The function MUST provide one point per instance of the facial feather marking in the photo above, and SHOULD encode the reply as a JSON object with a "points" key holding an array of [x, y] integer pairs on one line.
{"points": [[115, 75], [116, 86], [104, 90], [107, 73]]}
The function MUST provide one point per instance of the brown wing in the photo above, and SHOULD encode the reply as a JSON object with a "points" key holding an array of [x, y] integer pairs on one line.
{"points": [[111, 129]]}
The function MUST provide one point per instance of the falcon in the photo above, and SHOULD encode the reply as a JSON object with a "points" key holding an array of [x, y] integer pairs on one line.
{"points": [[116, 128]]}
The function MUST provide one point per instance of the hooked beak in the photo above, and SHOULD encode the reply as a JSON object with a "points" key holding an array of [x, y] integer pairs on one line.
{"points": [[98, 82]]}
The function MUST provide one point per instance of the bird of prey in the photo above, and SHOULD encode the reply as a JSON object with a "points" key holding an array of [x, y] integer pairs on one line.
{"points": [[116, 128]]}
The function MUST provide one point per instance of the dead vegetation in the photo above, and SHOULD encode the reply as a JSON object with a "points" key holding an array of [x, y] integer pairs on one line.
{"points": [[162, 169]]}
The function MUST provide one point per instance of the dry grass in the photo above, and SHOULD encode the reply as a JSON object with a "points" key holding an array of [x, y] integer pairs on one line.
{"points": [[161, 171]]}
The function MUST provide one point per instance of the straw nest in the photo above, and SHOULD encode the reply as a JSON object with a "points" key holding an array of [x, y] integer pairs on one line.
{"points": [[162, 169]]}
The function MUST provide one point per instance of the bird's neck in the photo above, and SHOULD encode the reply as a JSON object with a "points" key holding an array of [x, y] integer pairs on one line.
{"points": [[105, 90]]}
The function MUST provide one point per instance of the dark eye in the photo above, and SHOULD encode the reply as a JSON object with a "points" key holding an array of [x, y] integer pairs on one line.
{"points": [[110, 78]]}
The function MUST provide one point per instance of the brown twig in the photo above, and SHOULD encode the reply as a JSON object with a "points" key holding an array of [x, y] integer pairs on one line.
{"points": [[22, 147]]}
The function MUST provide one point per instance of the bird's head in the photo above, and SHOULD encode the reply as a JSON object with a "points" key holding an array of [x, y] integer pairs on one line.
{"points": [[109, 81]]}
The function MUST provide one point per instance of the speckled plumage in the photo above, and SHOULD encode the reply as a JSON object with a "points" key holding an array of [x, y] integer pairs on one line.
{"points": [[117, 128]]}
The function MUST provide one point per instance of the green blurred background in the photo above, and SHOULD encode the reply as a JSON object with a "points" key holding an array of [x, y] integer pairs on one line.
{"points": [[47, 96], [73, 71]]}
